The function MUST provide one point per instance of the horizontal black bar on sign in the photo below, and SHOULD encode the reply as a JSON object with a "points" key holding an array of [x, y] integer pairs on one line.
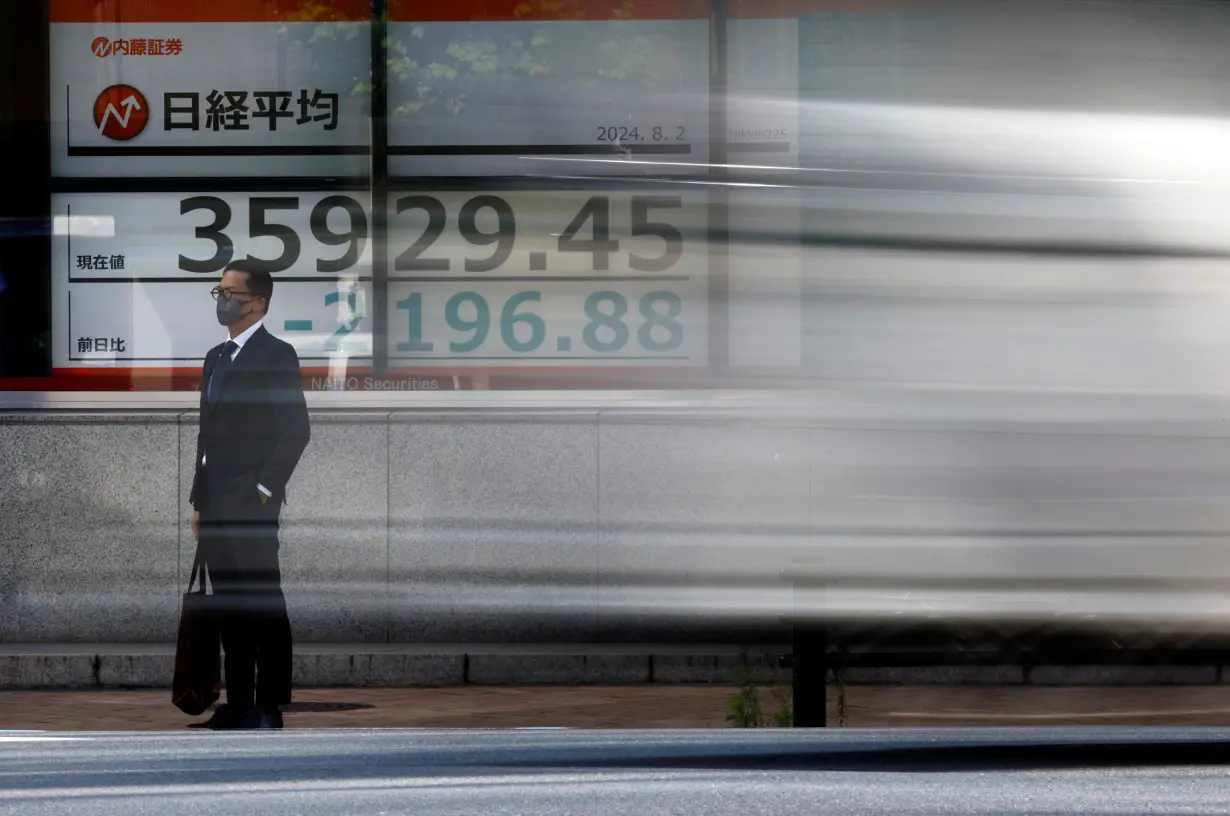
{"points": [[1141, 247], [1041, 247], [758, 147], [208, 184], [544, 182], [541, 150], [221, 150]]}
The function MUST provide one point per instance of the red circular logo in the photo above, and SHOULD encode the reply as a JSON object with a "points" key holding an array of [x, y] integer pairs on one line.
{"points": [[121, 112], [101, 47]]}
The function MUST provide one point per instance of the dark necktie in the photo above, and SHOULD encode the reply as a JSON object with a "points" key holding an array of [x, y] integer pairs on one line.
{"points": [[219, 372]]}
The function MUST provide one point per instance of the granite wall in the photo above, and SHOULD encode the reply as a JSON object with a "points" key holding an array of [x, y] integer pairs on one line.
{"points": [[611, 524]]}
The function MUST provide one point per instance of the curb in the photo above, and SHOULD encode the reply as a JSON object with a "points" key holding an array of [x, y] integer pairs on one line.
{"points": [[86, 666], [40, 666]]}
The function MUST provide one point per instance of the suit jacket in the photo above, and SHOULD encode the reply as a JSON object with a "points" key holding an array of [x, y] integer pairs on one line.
{"points": [[255, 433]]}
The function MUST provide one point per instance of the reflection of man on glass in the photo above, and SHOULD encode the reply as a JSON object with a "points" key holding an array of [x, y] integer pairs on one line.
{"points": [[350, 310], [254, 427]]}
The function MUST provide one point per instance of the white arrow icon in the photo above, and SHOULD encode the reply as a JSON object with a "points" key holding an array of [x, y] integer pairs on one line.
{"points": [[129, 104]]}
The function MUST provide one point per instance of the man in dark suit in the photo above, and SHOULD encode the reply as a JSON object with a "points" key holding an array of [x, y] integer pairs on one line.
{"points": [[253, 429]]}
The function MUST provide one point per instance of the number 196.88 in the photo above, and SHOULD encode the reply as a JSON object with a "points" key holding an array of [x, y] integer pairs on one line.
{"points": [[607, 328]]}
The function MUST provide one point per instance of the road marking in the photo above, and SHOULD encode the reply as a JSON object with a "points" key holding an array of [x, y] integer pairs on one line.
{"points": [[44, 739]]}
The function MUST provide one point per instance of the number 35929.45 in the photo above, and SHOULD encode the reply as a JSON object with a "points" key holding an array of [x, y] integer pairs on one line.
{"points": [[339, 221]]}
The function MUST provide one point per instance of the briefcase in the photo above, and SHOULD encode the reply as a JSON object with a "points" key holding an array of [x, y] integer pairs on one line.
{"points": [[198, 652]]}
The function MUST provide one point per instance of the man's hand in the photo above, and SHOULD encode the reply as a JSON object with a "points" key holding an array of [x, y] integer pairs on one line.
{"points": [[196, 525], [264, 498]]}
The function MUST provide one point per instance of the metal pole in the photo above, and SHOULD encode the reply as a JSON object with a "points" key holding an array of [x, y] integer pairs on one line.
{"points": [[810, 672], [380, 188], [719, 203]]}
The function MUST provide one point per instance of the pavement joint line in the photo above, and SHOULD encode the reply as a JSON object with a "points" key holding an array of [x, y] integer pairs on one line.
{"points": [[1099, 715]]}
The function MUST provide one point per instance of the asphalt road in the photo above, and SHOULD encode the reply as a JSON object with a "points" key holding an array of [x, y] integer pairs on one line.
{"points": [[847, 771]]}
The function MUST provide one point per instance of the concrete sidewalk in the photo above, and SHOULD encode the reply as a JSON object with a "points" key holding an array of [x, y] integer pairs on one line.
{"points": [[645, 706]]}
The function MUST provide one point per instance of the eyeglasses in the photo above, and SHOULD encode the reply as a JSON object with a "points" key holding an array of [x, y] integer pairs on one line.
{"points": [[218, 292]]}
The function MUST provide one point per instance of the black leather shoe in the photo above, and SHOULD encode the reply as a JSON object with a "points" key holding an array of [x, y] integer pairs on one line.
{"points": [[263, 718], [225, 718]]}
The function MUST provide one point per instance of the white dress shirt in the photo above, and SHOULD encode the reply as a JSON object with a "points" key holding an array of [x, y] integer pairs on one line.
{"points": [[239, 342]]}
